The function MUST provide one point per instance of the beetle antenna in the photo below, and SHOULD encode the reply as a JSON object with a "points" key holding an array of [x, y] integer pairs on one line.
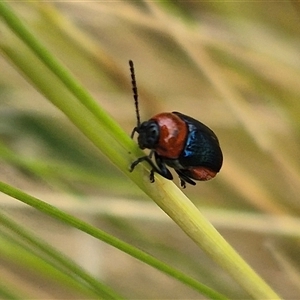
{"points": [[135, 93]]}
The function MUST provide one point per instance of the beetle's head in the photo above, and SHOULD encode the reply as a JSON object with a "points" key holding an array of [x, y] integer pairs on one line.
{"points": [[148, 134]]}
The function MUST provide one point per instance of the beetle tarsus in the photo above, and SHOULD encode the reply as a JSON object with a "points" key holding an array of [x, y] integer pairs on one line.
{"points": [[151, 176], [182, 183]]}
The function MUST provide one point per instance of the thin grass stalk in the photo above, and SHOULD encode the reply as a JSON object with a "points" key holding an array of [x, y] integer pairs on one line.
{"points": [[109, 239], [80, 275]]}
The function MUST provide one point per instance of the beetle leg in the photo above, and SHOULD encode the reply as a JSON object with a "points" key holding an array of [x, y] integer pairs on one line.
{"points": [[151, 163], [184, 178], [141, 159], [151, 176], [182, 183], [162, 169]]}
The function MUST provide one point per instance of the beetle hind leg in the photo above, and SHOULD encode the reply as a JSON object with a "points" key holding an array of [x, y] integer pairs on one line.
{"points": [[182, 183], [184, 178]]}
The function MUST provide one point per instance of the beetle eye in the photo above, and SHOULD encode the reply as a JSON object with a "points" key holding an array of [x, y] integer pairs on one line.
{"points": [[148, 135]]}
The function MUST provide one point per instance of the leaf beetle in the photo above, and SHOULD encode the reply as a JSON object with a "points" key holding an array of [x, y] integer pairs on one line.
{"points": [[177, 141]]}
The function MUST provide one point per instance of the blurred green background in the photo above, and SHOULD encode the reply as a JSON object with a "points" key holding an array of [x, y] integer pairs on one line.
{"points": [[233, 65]]}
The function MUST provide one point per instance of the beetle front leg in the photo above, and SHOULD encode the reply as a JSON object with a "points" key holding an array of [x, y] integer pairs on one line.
{"points": [[148, 159], [139, 160], [160, 168]]}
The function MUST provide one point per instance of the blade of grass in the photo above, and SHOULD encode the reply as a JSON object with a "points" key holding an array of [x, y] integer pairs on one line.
{"points": [[12, 250], [9, 293], [60, 259], [59, 70], [101, 235]]}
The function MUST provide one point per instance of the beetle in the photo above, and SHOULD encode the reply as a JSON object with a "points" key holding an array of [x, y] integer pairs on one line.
{"points": [[177, 141]]}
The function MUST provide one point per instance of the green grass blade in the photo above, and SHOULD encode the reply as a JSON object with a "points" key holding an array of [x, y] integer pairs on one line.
{"points": [[60, 259], [59, 70], [101, 235]]}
